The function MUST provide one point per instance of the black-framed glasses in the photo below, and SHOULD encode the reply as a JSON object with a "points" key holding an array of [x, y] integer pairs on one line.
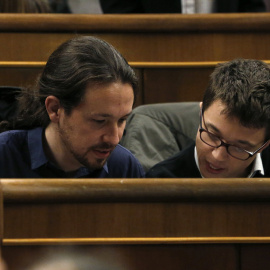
{"points": [[215, 142]]}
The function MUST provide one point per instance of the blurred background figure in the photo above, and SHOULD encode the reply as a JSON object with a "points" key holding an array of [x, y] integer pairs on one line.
{"points": [[182, 6], [85, 6], [133, 6], [2, 265], [71, 259], [25, 6], [76, 6]]}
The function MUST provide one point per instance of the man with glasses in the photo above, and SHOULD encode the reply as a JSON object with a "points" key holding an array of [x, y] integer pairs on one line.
{"points": [[234, 132]]}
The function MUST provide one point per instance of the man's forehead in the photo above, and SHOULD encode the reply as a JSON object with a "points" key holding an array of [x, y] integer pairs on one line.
{"points": [[231, 130]]}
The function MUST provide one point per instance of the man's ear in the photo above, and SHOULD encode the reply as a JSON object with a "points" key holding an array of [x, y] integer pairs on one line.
{"points": [[201, 104], [53, 108]]}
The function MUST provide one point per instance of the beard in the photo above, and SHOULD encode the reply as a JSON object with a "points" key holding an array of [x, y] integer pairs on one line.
{"points": [[83, 158]]}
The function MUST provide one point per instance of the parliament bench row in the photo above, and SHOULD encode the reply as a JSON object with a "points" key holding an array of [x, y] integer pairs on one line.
{"points": [[158, 82], [173, 54], [140, 37], [149, 223]]}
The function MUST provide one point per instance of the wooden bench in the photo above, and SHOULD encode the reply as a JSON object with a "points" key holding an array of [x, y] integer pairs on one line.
{"points": [[140, 37], [159, 82], [150, 223]]}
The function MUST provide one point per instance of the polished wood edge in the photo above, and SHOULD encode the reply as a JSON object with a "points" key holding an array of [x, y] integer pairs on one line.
{"points": [[202, 64], [136, 190], [174, 64], [21, 64], [134, 241], [135, 22]]}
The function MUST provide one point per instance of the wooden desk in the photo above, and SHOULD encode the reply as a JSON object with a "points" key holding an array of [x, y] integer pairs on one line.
{"points": [[151, 223], [141, 37]]}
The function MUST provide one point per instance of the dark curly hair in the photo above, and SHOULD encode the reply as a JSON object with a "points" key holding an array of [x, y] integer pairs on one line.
{"points": [[75, 65]]}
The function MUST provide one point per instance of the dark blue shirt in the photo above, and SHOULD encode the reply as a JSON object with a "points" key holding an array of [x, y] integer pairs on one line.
{"points": [[22, 156]]}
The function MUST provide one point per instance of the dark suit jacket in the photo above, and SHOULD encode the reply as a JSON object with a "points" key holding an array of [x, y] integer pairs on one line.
{"points": [[183, 165], [174, 6]]}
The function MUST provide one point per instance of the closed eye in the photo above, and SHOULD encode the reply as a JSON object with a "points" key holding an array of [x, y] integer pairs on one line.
{"points": [[122, 120], [238, 149], [98, 121]]}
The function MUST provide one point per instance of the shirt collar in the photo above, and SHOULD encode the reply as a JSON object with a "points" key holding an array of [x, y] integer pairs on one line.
{"points": [[35, 147], [196, 160], [38, 157], [256, 167]]}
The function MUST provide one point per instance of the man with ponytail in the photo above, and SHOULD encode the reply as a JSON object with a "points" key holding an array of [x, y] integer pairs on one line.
{"points": [[71, 123]]}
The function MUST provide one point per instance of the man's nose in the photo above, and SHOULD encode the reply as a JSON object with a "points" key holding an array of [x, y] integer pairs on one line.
{"points": [[113, 135], [220, 153]]}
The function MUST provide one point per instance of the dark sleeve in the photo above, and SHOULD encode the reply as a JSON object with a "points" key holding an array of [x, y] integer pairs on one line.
{"points": [[234, 6], [252, 6], [181, 165], [140, 6], [161, 6], [123, 164], [121, 6], [161, 171]]}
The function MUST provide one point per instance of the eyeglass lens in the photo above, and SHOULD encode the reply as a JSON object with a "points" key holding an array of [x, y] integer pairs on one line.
{"points": [[214, 141]]}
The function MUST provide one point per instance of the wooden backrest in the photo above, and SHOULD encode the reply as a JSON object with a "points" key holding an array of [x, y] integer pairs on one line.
{"points": [[149, 223], [140, 37], [158, 82], [173, 54]]}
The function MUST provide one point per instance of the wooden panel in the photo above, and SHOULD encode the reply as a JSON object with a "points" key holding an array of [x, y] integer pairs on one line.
{"points": [[144, 47], [25, 46], [151, 37], [25, 74], [175, 84], [255, 257], [149, 223], [136, 220], [158, 82], [136, 208], [19, 76]]}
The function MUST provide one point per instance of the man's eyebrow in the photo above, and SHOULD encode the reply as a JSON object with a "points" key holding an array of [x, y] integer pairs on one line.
{"points": [[246, 143], [101, 114], [109, 115], [209, 125], [128, 114]]}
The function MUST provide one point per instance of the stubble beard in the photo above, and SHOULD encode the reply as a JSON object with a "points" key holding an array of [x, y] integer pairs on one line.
{"points": [[81, 158]]}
